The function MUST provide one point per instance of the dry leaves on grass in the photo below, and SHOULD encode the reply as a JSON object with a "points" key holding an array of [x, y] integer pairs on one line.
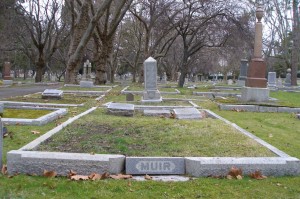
{"points": [[120, 176], [235, 173], [35, 132], [147, 177], [257, 175], [4, 169], [50, 174]]}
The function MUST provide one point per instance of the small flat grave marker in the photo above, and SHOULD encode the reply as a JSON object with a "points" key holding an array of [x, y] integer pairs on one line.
{"points": [[120, 109], [187, 113], [129, 97], [155, 165], [52, 94]]}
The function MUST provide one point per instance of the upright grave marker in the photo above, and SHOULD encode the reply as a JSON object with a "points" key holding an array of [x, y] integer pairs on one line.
{"points": [[7, 80], [243, 72], [256, 84], [272, 79], [151, 94], [288, 78], [86, 81]]}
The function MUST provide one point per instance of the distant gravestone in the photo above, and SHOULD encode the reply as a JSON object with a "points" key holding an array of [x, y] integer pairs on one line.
{"points": [[7, 80], [288, 78], [243, 72], [272, 79], [120, 109], [151, 94], [86, 79], [229, 82], [129, 97], [1, 109], [52, 94]]}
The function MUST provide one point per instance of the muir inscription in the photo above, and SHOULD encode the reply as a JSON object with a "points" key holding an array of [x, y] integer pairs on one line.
{"points": [[149, 165]]}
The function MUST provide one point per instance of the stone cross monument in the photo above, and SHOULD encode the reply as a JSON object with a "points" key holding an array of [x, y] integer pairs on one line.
{"points": [[256, 83], [86, 81]]}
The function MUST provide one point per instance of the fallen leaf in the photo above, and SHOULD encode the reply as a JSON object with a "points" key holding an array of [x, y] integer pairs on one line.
{"points": [[97, 176], [4, 169], [129, 184], [257, 175], [278, 184], [234, 172], [147, 177], [120, 176], [229, 177], [35, 132], [79, 177], [239, 177], [49, 174], [71, 173], [270, 135]]}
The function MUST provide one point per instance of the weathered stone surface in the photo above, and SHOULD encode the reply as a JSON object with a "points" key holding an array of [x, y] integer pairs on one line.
{"points": [[150, 72], [267, 109], [164, 113], [228, 107], [187, 113], [255, 94], [243, 72], [86, 84], [272, 79], [288, 110], [7, 82], [52, 94], [34, 162], [120, 109], [155, 165], [215, 166]]}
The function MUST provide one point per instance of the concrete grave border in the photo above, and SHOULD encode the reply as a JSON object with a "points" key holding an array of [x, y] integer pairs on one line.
{"points": [[258, 108], [125, 91], [20, 161], [12, 103], [57, 112]]}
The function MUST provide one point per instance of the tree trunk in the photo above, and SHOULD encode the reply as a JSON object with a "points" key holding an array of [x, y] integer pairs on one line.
{"points": [[181, 79], [40, 68]]}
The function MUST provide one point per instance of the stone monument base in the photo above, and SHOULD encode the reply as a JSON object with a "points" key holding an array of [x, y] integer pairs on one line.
{"points": [[86, 84], [241, 83], [151, 96], [255, 94], [7, 82]]}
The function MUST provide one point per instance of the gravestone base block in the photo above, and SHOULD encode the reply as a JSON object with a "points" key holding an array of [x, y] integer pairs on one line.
{"points": [[241, 83], [86, 84], [251, 94], [52, 94], [7, 82], [151, 96], [120, 109]]}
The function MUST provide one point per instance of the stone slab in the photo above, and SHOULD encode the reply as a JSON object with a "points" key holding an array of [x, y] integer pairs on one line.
{"points": [[267, 109], [7, 82], [52, 93], [255, 94], [164, 113], [120, 109], [250, 108], [220, 166], [187, 113], [155, 165], [288, 110], [34, 162], [86, 84]]}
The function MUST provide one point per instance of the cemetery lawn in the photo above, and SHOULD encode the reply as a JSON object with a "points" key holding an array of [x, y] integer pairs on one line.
{"points": [[67, 99], [77, 88], [153, 136], [24, 113]]}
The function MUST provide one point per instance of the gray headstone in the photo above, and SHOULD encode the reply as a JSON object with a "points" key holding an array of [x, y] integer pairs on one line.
{"points": [[120, 109], [1, 109], [1, 144], [150, 72], [288, 78], [272, 79], [243, 72], [129, 97], [52, 94], [187, 113], [86, 84], [155, 165]]}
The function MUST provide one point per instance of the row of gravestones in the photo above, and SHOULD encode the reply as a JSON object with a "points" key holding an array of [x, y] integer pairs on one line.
{"points": [[271, 76]]}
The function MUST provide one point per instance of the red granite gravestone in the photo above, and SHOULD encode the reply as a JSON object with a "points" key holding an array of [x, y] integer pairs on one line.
{"points": [[6, 71]]}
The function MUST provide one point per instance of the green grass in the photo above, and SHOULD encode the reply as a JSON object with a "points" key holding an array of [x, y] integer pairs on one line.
{"points": [[148, 136], [75, 88], [24, 113], [67, 99], [287, 98], [283, 127]]}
